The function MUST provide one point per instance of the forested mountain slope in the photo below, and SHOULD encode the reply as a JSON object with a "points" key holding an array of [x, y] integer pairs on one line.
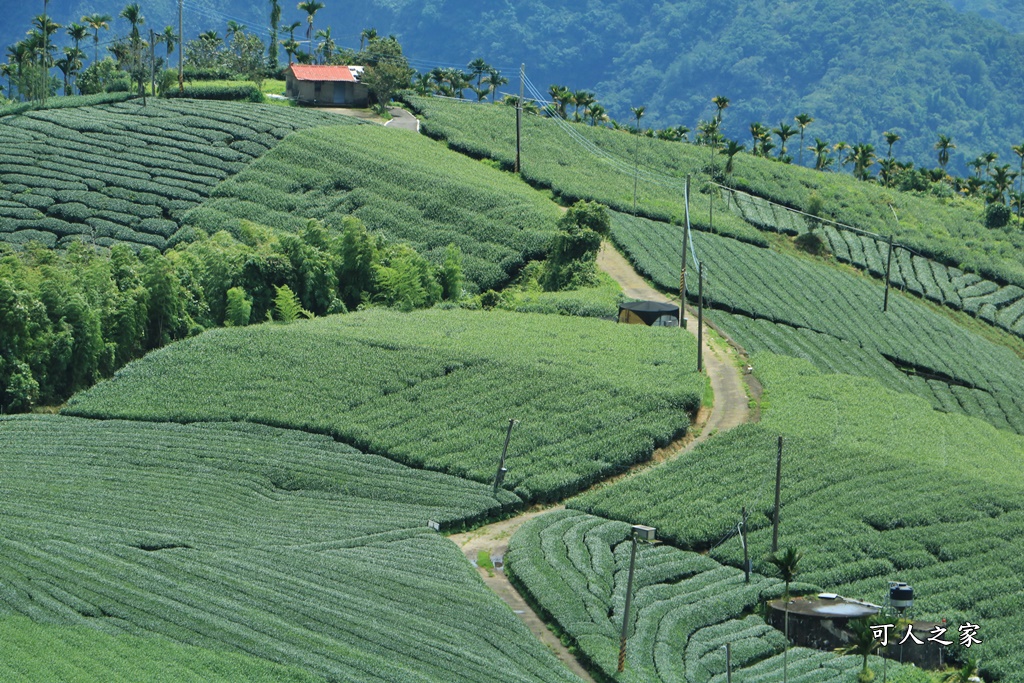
{"points": [[858, 67], [1008, 13]]}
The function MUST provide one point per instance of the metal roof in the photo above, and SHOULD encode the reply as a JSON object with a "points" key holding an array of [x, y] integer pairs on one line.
{"points": [[319, 72], [649, 307]]}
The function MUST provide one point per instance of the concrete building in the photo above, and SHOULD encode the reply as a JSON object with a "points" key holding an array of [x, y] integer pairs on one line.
{"points": [[326, 85]]}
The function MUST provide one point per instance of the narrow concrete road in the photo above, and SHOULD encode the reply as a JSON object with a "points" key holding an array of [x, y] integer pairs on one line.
{"points": [[400, 118], [493, 539], [731, 403], [730, 409]]}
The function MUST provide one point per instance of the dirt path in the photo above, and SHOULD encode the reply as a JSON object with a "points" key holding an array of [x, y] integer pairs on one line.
{"points": [[730, 409], [731, 404], [493, 539]]}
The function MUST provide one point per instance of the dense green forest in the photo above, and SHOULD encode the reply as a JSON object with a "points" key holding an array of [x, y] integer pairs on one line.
{"points": [[858, 68], [1008, 13]]}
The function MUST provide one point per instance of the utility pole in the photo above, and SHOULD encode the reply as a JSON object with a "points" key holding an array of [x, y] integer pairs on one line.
{"points": [[888, 264], [700, 317], [181, 50], [519, 120], [682, 269], [888, 271], [711, 209], [637, 112], [152, 63], [499, 476], [778, 499], [746, 554], [648, 535]]}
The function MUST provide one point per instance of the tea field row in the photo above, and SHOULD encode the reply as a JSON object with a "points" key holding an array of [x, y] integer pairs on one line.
{"points": [[999, 305], [404, 187], [255, 541], [951, 232], [830, 354], [78, 654], [876, 486], [800, 293], [552, 159], [125, 172], [685, 607], [434, 389]]}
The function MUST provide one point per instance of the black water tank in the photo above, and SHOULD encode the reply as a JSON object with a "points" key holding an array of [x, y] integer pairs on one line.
{"points": [[901, 595]]}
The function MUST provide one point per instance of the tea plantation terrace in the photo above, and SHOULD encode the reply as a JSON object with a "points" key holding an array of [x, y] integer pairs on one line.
{"points": [[434, 389]]}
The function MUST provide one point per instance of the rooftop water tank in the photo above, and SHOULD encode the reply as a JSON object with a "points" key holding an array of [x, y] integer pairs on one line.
{"points": [[901, 596]]}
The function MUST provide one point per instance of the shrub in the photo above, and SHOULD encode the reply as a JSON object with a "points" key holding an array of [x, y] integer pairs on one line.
{"points": [[242, 91], [997, 215], [811, 243], [239, 308]]}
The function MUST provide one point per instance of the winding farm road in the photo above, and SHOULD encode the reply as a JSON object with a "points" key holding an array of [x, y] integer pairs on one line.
{"points": [[730, 409]]}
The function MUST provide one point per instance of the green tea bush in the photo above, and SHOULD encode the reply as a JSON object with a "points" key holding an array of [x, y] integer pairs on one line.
{"points": [[435, 389], [89, 655], [876, 486], [301, 556], [685, 606], [246, 91], [799, 293], [138, 169], [405, 188]]}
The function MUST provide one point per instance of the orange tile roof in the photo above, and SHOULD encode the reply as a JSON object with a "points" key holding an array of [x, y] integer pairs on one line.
{"points": [[318, 72]]}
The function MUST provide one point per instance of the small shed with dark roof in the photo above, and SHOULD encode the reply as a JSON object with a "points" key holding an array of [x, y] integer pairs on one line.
{"points": [[326, 85], [649, 313]]}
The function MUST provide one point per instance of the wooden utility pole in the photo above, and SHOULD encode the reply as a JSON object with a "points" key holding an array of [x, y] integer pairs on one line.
{"points": [[888, 271], [682, 269], [778, 499], [181, 49], [519, 120], [625, 614], [499, 476], [636, 164], [711, 210], [746, 553], [700, 317], [152, 63]]}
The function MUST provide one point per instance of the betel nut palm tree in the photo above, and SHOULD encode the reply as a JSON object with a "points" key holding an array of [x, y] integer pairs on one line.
{"points": [[327, 44], [802, 121], [822, 158], [721, 102], [788, 566], [96, 22], [732, 148], [1019, 151], [890, 139], [133, 14], [366, 37], [864, 644], [784, 132], [310, 7], [944, 144]]}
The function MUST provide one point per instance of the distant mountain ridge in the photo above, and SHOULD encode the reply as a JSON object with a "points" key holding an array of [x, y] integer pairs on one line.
{"points": [[859, 67]]}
